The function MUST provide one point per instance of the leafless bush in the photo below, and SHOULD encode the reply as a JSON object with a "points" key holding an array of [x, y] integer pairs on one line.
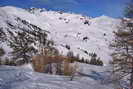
{"points": [[62, 65]]}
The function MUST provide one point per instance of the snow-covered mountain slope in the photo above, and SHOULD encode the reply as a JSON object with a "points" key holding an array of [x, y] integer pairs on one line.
{"points": [[93, 77], [84, 35]]}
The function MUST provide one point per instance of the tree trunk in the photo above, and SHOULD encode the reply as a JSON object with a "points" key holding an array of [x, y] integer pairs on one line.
{"points": [[131, 77]]}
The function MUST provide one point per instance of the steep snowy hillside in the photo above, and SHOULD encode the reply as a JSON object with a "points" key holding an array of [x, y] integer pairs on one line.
{"points": [[84, 35]]}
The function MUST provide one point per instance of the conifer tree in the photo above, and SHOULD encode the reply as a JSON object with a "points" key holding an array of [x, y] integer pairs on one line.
{"points": [[129, 10], [23, 42], [123, 55], [93, 59], [70, 54]]}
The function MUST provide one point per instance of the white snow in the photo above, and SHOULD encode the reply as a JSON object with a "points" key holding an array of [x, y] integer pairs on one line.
{"points": [[24, 78]]}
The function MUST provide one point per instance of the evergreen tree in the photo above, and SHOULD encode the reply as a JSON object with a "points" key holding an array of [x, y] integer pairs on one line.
{"points": [[93, 59], [2, 35], [82, 60], [0, 62], [21, 45], [2, 52], [129, 10], [23, 41], [70, 54], [99, 62], [87, 61], [7, 62]]}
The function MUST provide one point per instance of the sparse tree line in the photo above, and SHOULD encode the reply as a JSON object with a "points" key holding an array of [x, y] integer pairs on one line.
{"points": [[94, 60]]}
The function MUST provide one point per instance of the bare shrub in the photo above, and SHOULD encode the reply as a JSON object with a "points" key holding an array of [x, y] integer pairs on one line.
{"points": [[40, 61], [69, 68], [63, 65]]}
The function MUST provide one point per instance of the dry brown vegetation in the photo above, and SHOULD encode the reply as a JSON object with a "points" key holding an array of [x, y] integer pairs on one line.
{"points": [[40, 61], [70, 69]]}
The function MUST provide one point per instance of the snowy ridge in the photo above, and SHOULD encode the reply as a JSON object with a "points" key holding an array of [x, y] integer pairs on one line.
{"points": [[84, 35]]}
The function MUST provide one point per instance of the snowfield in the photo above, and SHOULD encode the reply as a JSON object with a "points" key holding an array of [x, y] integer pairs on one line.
{"points": [[83, 34], [92, 77]]}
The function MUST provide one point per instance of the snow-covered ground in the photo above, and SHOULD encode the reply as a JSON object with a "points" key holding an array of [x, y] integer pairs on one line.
{"points": [[67, 29], [92, 77]]}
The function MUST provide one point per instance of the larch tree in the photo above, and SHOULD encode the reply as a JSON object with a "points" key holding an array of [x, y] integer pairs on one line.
{"points": [[123, 54], [128, 11]]}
